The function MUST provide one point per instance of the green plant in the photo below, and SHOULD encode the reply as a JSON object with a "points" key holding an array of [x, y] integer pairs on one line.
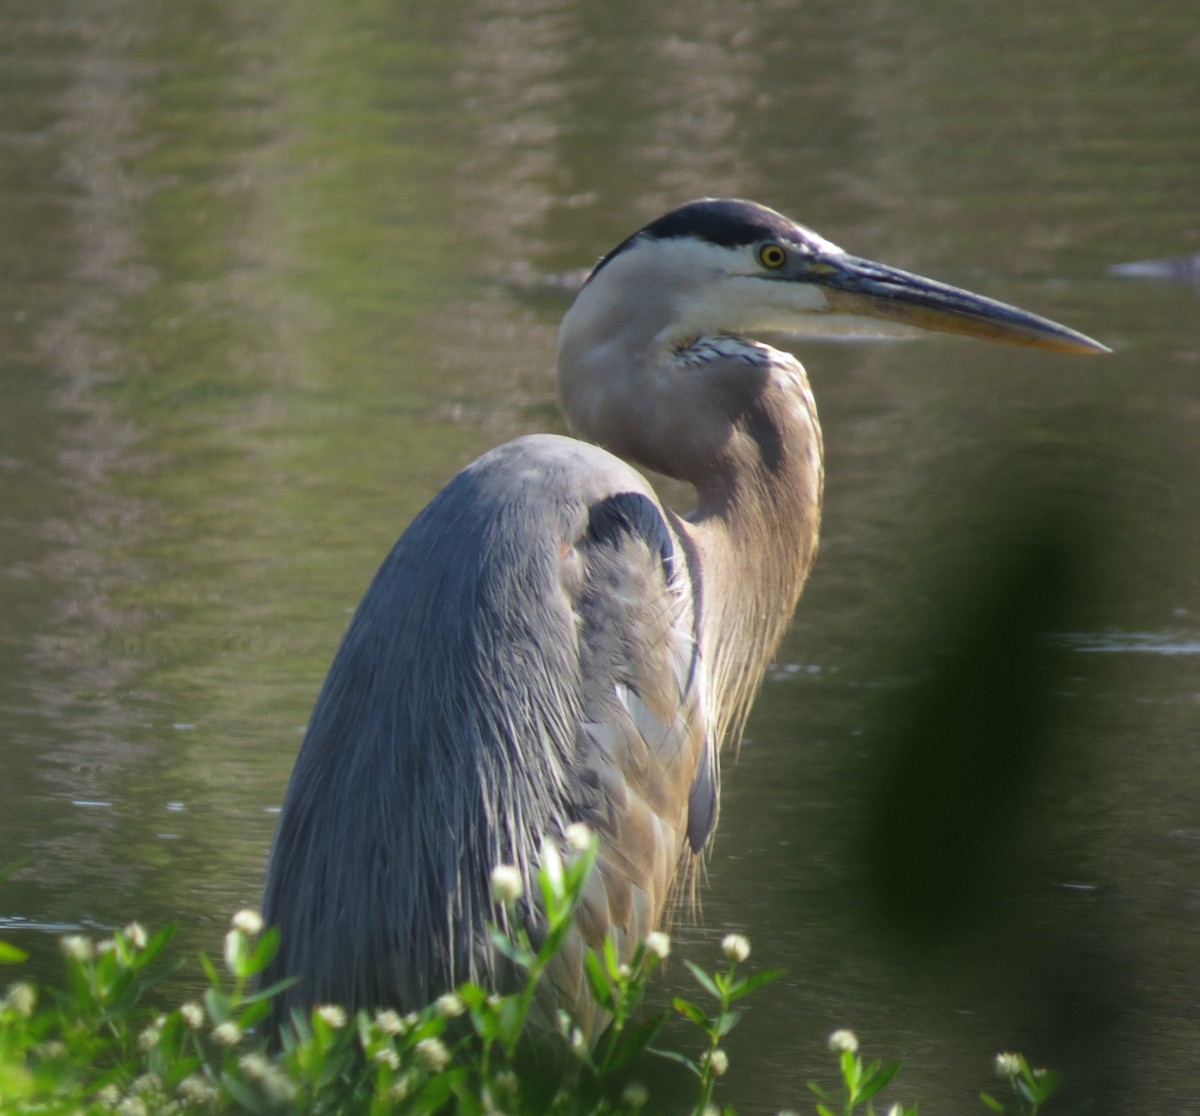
{"points": [[1032, 1088], [99, 1044], [861, 1082]]}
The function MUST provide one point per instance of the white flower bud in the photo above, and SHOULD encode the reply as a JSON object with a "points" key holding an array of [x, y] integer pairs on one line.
{"points": [[1008, 1065], [78, 948], [507, 885], [658, 944], [331, 1015], [247, 921], [736, 947], [227, 1034], [193, 1014], [135, 934], [843, 1041], [635, 1094], [579, 837], [432, 1054]]}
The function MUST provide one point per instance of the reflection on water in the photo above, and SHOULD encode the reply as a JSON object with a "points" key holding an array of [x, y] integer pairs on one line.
{"points": [[272, 272], [1142, 643]]}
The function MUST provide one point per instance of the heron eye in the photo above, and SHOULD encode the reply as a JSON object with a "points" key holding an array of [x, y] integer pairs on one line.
{"points": [[772, 255]]}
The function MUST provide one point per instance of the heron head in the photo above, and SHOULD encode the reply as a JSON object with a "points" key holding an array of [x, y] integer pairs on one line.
{"points": [[720, 265]]}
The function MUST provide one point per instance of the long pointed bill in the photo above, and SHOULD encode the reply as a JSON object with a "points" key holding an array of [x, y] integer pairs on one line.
{"points": [[870, 290]]}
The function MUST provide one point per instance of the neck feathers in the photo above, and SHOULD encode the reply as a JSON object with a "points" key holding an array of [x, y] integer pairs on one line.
{"points": [[756, 526]]}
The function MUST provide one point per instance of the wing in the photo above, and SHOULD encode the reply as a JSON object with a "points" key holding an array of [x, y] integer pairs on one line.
{"points": [[646, 773], [525, 658]]}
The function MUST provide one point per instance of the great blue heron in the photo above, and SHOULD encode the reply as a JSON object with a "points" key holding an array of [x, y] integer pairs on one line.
{"points": [[548, 644]]}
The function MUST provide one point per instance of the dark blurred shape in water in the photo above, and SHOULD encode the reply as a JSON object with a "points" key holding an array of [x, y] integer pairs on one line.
{"points": [[969, 733], [954, 878]]}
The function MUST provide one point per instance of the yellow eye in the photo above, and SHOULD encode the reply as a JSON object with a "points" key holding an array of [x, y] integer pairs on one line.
{"points": [[772, 255]]}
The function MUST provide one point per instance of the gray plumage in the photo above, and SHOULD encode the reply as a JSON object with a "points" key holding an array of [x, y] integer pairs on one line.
{"points": [[548, 644]]}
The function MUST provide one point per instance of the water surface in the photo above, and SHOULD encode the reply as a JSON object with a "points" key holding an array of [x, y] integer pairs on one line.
{"points": [[271, 272]]}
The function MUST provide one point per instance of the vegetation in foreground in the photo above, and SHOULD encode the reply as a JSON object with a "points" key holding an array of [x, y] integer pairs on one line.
{"points": [[97, 1044]]}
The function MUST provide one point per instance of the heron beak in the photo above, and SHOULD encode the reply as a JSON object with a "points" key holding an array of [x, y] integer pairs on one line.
{"points": [[870, 290]]}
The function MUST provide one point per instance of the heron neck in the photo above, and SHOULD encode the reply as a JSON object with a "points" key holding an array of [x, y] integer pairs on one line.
{"points": [[756, 525]]}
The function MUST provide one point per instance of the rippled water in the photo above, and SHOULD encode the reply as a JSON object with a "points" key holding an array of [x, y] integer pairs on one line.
{"points": [[269, 273]]}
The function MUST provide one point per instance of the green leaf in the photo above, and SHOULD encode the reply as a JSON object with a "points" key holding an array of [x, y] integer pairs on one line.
{"points": [[598, 981], [245, 1096], [691, 1011], [517, 954], [11, 954], [1045, 1085], [611, 961], [219, 1008], [755, 981], [681, 1059], [814, 1087], [264, 950], [636, 1038], [726, 1021], [270, 992], [210, 971], [254, 1014], [703, 979], [991, 1103], [876, 1079], [156, 945]]}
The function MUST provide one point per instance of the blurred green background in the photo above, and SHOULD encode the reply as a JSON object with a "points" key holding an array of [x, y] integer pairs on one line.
{"points": [[270, 272]]}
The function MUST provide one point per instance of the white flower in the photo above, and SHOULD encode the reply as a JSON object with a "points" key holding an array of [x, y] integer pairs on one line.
{"points": [[20, 999], [635, 1094], [198, 1089], [552, 865], [331, 1015], [254, 1066], [843, 1041], [235, 947], [718, 1062], [135, 934], [278, 1086], [658, 944], [389, 1022], [506, 884], [432, 1054], [132, 1106], [193, 1014], [450, 1005], [1008, 1065], [227, 1034], [388, 1057], [578, 1042], [895, 1110], [579, 837], [247, 921], [147, 1083], [78, 948], [148, 1039], [736, 947]]}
